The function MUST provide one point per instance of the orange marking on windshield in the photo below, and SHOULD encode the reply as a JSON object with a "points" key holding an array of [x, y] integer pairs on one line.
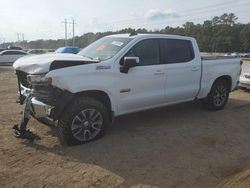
{"points": [[101, 47]]}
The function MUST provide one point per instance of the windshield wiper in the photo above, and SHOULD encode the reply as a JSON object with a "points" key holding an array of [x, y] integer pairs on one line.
{"points": [[97, 58], [88, 57]]}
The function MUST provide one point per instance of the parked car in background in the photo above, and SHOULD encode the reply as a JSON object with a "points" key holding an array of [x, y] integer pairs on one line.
{"points": [[14, 48], [248, 55], [245, 75], [68, 50], [235, 54], [2, 49], [10, 56], [227, 55], [37, 51], [51, 50]]}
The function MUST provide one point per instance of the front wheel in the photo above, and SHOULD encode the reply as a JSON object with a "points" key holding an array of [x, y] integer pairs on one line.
{"points": [[218, 96], [83, 121]]}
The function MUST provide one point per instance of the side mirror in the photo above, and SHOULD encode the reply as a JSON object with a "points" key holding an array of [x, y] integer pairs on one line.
{"points": [[128, 63]]}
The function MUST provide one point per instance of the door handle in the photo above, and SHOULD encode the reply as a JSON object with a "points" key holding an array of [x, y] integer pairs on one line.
{"points": [[159, 72], [195, 68]]}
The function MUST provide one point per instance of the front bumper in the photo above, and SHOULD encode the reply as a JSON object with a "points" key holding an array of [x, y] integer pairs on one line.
{"points": [[42, 110], [39, 108]]}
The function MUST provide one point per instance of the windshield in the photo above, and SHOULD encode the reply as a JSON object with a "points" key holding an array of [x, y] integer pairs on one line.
{"points": [[104, 48]]}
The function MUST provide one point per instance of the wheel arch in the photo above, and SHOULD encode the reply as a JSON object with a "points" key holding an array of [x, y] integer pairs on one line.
{"points": [[227, 78], [208, 102], [99, 95]]}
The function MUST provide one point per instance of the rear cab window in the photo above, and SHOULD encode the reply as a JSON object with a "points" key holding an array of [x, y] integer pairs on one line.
{"points": [[176, 51]]}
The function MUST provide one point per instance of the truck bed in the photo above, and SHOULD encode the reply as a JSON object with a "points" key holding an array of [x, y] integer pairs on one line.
{"points": [[214, 67]]}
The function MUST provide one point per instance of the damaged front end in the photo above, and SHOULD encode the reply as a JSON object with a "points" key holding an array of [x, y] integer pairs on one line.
{"points": [[45, 102]]}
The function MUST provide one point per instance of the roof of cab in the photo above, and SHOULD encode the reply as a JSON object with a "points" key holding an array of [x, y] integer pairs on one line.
{"points": [[148, 35]]}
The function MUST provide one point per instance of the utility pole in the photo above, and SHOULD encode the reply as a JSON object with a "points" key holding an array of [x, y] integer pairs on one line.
{"points": [[65, 22], [2, 42], [23, 39], [18, 39], [73, 31]]}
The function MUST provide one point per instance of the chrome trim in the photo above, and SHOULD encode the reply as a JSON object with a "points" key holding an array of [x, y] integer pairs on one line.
{"points": [[24, 90], [40, 109]]}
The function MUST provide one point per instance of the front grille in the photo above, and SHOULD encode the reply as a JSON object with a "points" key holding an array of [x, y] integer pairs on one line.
{"points": [[45, 93], [22, 78]]}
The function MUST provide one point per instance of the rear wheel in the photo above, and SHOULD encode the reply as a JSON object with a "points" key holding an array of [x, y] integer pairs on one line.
{"points": [[83, 121], [218, 96]]}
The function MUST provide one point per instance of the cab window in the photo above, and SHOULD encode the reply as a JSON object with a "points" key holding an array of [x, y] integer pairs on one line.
{"points": [[176, 51], [147, 51]]}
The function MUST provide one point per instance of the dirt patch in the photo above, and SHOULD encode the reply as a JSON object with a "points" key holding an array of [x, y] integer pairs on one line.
{"points": [[240, 180], [177, 146]]}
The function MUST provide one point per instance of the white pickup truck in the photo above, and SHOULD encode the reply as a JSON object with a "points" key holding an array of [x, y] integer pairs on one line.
{"points": [[121, 74]]}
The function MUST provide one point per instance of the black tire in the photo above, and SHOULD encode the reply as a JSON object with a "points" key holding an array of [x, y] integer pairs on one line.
{"points": [[74, 113], [218, 95]]}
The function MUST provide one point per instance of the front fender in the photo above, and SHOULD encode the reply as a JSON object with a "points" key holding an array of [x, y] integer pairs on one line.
{"points": [[85, 78]]}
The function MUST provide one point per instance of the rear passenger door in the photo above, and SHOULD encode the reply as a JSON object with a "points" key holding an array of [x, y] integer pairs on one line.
{"points": [[183, 71]]}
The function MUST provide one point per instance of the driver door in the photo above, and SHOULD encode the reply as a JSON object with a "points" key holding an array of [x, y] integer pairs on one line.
{"points": [[143, 86]]}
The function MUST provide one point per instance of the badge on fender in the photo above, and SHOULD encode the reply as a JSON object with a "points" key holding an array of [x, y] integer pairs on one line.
{"points": [[103, 67]]}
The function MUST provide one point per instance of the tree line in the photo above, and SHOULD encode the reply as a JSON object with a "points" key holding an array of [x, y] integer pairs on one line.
{"points": [[220, 34]]}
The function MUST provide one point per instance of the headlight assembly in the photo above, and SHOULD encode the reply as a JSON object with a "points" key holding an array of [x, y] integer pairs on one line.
{"points": [[39, 79]]}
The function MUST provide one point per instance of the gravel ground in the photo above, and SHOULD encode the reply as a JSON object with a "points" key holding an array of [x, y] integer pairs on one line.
{"points": [[177, 146]]}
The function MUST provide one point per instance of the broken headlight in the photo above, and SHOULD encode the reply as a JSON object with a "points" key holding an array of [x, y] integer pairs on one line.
{"points": [[39, 79]]}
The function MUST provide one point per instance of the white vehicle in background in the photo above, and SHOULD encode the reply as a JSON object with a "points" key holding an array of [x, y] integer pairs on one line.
{"points": [[10, 56], [37, 51], [245, 75], [235, 54], [117, 75]]}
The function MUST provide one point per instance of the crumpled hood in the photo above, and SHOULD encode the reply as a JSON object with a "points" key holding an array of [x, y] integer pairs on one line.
{"points": [[38, 64]]}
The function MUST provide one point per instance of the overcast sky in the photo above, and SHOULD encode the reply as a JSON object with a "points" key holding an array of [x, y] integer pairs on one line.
{"points": [[42, 19]]}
